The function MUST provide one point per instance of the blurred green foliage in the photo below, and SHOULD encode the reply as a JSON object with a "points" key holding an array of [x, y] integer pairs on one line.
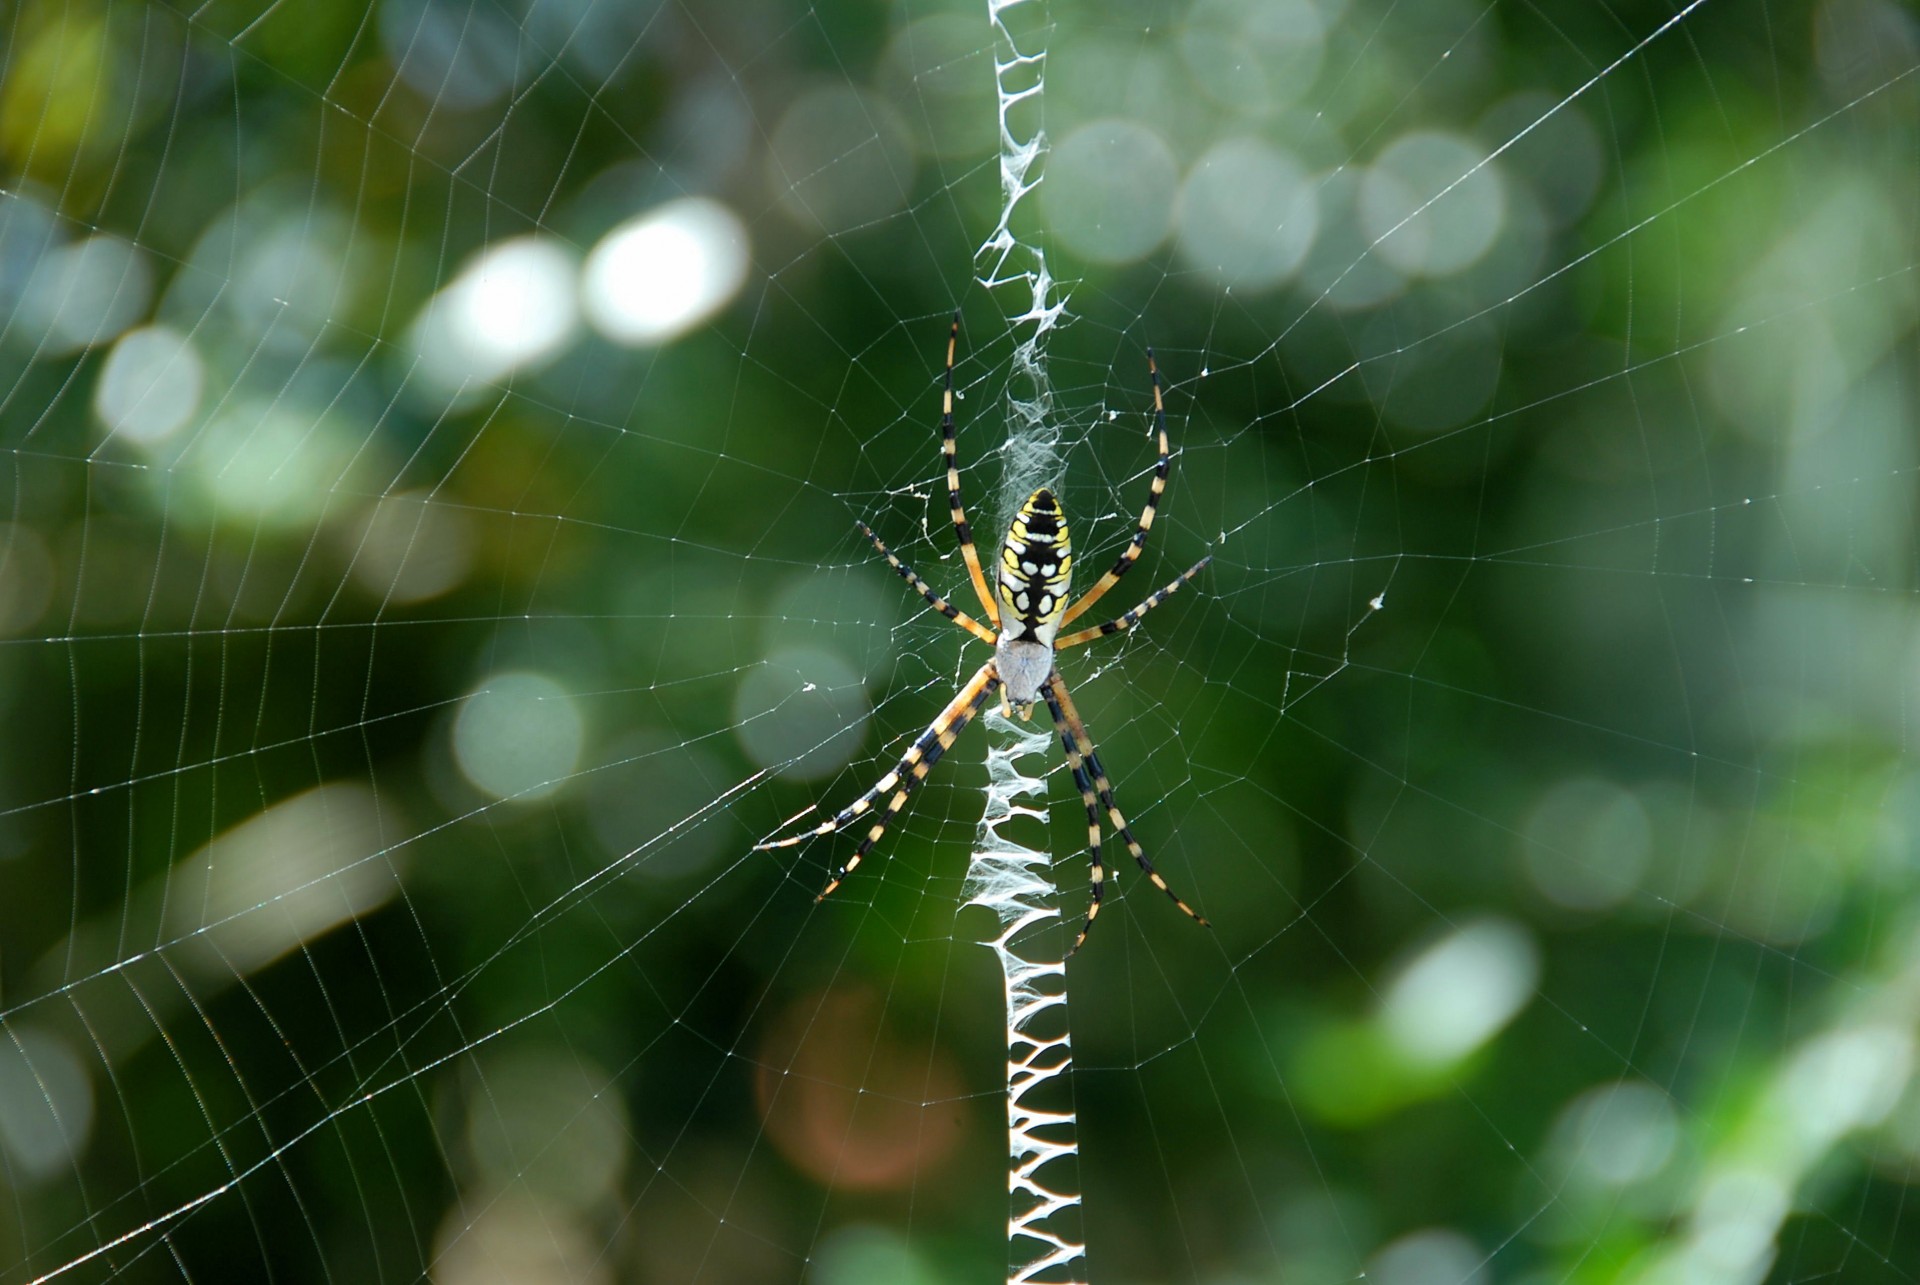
{"points": [[1563, 902]]}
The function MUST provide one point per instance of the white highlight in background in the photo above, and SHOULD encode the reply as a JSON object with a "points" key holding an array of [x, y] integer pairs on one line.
{"points": [[518, 737], [85, 294], [1459, 992], [1734, 1224], [271, 462], [548, 1121], [282, 878], [1587, 843], [803, 713], [1252, 56], [456, 56], [839, 160], [860, 1253], [648, 805], [150, 386], [512, 1237], [1343, 269], [1451, 233], [655, 277], [512, 306], [1247, 213], [46, 1105], [1845, 1080], [1431, 1256], [1616, 1135], [407, 548], [1109, 190]]}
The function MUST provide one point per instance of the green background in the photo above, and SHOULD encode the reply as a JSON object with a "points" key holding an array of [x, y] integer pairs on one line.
{"points": [[1629, 732]]}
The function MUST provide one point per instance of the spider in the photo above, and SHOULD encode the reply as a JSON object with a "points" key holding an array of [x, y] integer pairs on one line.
{"points": [[1036, 561]]}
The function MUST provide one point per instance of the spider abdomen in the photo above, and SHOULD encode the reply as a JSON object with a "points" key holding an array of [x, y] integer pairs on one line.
{"points": [[1024, 668], [1036, 564]]}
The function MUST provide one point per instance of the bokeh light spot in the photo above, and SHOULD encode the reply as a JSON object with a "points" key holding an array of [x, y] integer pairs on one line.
{"points": [[1560, 156], [514, 305], [1845, 1080], [1109, 190], [27, 231], [279, 268], [839, 159], [518, 736], [801, 713], [409, 549], [46, 1104], [1587, 843], [1439, 382], [1738, 1212], [850, 615], [1253, 56], [1459, 992], [283, 877], [514, 1238], [291, 274], [1341, 269], [452, 53], [591, 34], [1788, 383], [549, 1119], [1619, 1134], [938, 74], [85, 293], [657, 276], [269, 462], [867, 1254], [647, 804], [1867, 50], [851, 1102], [1248, 213], [1102, 72], [150, 385], [1432, 1256], [1413, 226]]}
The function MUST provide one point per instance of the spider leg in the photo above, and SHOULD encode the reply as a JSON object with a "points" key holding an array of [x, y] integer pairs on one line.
{"points": [[1060, 705], [1131, 553], [1120, 624], [961, 526], [938, 603], [1097, 873], [905, 777]]}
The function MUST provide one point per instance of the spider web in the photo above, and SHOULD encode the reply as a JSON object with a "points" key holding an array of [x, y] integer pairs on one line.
{"points": [[436, 433]]}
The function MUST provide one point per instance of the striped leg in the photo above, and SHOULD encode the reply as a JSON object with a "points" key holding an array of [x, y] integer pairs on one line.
{"points": [[1060, 704], [1097, 873], [938, 603], [1131, 553], [905, 777], [961, 526], [1121, 624]]}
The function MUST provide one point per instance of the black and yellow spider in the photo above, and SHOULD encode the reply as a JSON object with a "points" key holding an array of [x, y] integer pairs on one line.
{"points": [[1036, 561]]}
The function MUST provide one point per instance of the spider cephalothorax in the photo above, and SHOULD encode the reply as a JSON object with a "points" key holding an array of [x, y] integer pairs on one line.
{"points": [[1036, 566]]}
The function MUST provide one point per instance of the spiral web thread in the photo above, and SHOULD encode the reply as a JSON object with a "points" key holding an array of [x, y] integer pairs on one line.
{"points": [[1005, 875]]}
